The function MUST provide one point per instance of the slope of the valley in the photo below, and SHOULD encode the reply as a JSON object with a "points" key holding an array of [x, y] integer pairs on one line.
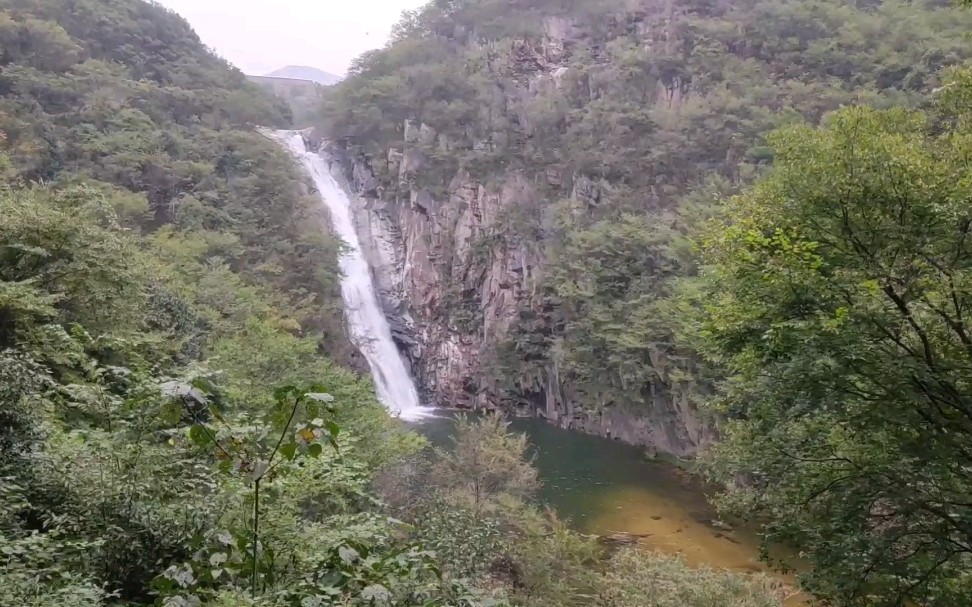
{"points": [[527, 171], [163, 269], [121, 96]]}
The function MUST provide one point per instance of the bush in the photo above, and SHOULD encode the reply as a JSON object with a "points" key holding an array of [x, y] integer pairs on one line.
{"points": [[636, 578]]}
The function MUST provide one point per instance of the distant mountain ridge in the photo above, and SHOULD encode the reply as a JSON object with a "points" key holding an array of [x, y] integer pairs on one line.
{"points": [[303, 72]]}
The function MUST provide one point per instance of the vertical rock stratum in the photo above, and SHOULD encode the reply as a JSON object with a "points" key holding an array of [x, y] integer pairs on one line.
{"points": [[526, 175]]}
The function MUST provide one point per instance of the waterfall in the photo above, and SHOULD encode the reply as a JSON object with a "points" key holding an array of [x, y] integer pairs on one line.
{"points": [[369, 327]]}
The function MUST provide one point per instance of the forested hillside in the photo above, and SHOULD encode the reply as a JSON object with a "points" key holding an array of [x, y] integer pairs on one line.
{"points": [[180, 422], [151, 241], [123, 97], [545, 159]]}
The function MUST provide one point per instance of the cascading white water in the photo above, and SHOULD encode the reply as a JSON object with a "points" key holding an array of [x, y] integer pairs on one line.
{"points": [[369, 327]]}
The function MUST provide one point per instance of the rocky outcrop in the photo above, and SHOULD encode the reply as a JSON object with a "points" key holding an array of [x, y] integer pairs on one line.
{"points": [[431, 256], [452, 288], [455, 276]]}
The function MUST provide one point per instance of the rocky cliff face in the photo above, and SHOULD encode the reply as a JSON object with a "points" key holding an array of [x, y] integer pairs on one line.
{"points": [[454, 281], [528, 170], [452, 293]]}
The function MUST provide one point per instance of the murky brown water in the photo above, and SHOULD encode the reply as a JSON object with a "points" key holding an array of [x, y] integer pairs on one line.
{"points": [[603, 487]]}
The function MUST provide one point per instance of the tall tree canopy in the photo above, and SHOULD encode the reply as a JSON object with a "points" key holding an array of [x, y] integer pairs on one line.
{"points": [[837, 299]]}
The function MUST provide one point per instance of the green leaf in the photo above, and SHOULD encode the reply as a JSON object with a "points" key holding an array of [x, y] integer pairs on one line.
{"points": [[315, 449], [259, 469], [285, 392], [217, 558], [333, 429], [198, 435], [289, 450], [375, 592]]}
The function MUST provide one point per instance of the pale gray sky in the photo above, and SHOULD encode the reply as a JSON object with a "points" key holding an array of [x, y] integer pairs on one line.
{"points": [[260, 36]]}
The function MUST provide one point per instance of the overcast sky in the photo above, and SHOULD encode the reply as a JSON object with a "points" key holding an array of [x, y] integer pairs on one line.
{"points": [[260, 36]]}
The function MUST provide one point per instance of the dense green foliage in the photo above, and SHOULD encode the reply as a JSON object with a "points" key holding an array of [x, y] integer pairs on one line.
{"points": [[123, 96], [486, 462], [167, 274], [621, 115], [837, 296]]}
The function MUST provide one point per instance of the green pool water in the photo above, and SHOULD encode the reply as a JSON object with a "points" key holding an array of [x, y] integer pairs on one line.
{"points": [[603, 486]]}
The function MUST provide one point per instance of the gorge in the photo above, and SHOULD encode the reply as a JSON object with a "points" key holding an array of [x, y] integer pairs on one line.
{"points": [[528, 175], [732, 233], [603, 489]]}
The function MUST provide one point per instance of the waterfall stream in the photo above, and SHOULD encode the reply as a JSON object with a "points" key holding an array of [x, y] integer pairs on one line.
{"points": [[369, 328]]}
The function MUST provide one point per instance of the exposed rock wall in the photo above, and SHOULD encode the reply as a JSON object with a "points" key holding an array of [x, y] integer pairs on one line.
{"points": [[421, 252], [429, 256], [453, 281]]}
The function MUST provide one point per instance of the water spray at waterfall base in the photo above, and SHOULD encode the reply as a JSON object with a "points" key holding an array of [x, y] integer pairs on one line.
{"points": [[369, 328]]}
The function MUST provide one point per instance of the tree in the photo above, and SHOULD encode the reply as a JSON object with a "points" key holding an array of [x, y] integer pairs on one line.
{"points": [[837, 299], [64, 257], [486, 463]]}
